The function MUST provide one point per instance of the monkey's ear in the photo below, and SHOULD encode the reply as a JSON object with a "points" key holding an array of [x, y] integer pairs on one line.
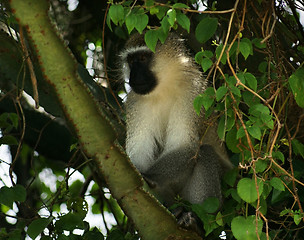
{"points": [[135, 40]]}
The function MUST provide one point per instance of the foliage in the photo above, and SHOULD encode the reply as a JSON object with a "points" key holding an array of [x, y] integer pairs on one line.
{"points": [[252, 54]]}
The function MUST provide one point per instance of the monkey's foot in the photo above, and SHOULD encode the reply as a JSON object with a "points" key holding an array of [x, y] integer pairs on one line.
{"points": [[188, 220]]}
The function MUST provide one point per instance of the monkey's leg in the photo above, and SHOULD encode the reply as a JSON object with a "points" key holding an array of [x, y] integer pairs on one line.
{"points": [[168, 175], [203, 183], [205, 180]]}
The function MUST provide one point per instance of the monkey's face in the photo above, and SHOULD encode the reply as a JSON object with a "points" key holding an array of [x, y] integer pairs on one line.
{"points": [[142, 80]]}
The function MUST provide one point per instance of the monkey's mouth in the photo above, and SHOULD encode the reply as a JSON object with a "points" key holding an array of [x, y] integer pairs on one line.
{"points": [[142, 89], [142, 82]]}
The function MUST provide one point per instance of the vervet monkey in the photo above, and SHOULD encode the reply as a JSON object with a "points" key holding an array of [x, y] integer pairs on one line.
{"points": [[166, 139]]}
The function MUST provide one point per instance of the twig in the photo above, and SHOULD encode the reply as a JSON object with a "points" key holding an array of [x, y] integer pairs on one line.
{"points": [[197, 11], [30, 66], [292, 172], [19, 144], [104, 57], [298, 127]]}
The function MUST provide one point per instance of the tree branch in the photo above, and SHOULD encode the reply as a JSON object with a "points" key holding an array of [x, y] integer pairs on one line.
{"points": [[94, 132]]}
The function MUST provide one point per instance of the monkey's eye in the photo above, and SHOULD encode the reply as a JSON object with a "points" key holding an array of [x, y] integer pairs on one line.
{"points": [[143, 57]]}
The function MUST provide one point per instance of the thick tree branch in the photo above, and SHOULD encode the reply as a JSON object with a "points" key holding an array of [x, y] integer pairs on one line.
{"points": [[93, 130]]}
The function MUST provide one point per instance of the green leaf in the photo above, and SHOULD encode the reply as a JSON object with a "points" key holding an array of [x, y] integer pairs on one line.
{"points": [[231, 80], [261, 165], [259, 109], [183, 21], [249, 43], [297, 218], [197, 104], [206, 63], [8, 140], [154, 10], [244, 49], [235, 91], [230, 177], [251, 81], [37, 226], [116, 13], [148, 3], [161, 12], [165, 26], [19, 193], [206, 99], [219, 219], [14, 119], [230, 123], [284, 212], [220, 93], [205, 29], [247, 190], [171, 14], [207, 54], [151, 38], [255, 131], [296, 84], [218, 51], [232, 141], [15, 234], [234, 195], [95, 234], [279, 155], [277, 184], [263, 66], [208, 220], [249, 98], [297, 147], [12, 194], [241, 77], [240, 133], [258, 44], [162, 35], [180, 5], [6, 197], [211, 205], [245, 228], [109, 22], [199, 57], [69, 222], [221, 128], [131, 21], [141, 22]]}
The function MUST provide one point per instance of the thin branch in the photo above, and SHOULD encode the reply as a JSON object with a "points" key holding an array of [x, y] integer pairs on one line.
{"points": [[104, 57], [20, 142], [197, 11], [30, 66]]}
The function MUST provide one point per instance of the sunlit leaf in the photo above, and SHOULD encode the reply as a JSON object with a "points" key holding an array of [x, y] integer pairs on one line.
{"points": [[116, 13], [245, 228], [247, 190], [37, 226]]}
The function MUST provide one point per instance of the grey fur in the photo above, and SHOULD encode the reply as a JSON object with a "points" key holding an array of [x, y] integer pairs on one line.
{"points": [[164, 134]]}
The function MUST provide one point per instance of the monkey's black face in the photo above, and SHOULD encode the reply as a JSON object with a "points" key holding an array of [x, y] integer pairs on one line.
{"points": [[142, 80]]}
